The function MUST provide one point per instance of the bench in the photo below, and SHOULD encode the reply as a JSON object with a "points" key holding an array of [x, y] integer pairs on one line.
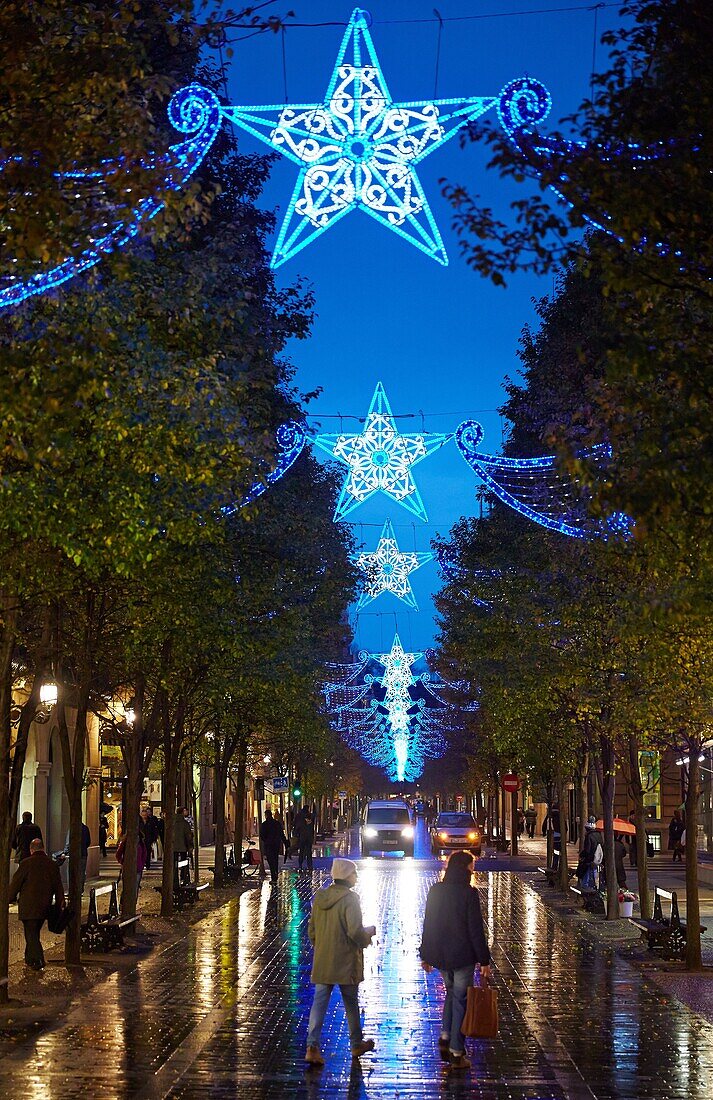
{"points": [[592, 900], [185, 892], [665, 934], [231, 870], [102, 933]]}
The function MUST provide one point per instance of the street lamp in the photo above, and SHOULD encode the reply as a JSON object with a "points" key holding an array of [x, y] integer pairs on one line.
{"points": [[48, 693]]}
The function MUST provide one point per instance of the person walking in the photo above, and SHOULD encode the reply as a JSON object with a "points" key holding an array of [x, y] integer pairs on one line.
{"points": [[619, 857], [36, 884], [182, 837], [103, 833], [530, 821], [149, 824], [338, 936], [675, 832], [306, 842], [453, 942], [591, 856], [272, 842], [25, 833]]}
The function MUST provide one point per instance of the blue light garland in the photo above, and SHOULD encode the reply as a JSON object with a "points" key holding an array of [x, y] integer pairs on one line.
{"points": [[387, 569], [192, 110], [528, 486], [380, 459], [290, 438]]}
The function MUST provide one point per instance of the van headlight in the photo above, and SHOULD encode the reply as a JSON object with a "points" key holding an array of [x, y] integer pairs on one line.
{"points": [[407, 832], [472, 836], [369, 832]]}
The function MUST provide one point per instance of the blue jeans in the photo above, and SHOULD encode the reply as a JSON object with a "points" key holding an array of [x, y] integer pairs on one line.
{"points": [[322, 993], [456, 983]]}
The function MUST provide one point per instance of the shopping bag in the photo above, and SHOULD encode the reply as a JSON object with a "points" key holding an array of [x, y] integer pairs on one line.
{"points": [[58, 918], [481, 1013]]}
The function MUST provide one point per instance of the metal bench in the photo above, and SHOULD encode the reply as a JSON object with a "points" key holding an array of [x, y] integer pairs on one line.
{"points": [[102, 933], [185, 892], [665, 934], [551, 873], [592, 900]]}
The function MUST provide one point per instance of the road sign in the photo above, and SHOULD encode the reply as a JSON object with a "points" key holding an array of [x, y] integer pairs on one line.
{"points": [[341, 794], [510, 782], [280, 784]]}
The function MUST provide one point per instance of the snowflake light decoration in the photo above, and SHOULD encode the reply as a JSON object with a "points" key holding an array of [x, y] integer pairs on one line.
{"points": [[387, 569], [358, 150], [380, 459]]}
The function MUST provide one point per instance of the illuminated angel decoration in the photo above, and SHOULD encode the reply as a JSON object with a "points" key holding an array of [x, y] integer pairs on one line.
{"points": [[380, 459], [387, 569], [539, 489], [194, 111], [358, 150]]}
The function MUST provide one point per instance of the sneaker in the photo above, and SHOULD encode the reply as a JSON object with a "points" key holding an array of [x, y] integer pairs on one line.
{"points": [[459, 1060], [314, 1057], [362, 1048]]}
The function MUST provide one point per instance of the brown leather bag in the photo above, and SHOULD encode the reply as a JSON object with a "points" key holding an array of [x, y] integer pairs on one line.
{"points": [[481, 1014]]}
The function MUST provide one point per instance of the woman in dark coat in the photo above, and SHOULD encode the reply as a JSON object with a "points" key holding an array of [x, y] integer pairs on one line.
{"points": [[454, 943]]}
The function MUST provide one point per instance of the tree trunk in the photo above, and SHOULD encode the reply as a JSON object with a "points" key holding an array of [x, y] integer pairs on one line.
{"points": [[607, 786], [8, 626], [563, 869], [220, 783], [130, 828], [637, 794], [73, 767], [503, 845], [240, 801], [693, 909], [513, 817]]}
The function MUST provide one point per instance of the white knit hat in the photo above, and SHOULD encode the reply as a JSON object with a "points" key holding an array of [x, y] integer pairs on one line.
{"points": [[343, 868]]}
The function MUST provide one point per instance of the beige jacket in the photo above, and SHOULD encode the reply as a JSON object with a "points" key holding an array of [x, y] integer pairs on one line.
{"points": [[338, 936]]}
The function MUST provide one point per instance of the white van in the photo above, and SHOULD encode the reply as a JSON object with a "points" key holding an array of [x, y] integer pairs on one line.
{"points": [[386, 827]]}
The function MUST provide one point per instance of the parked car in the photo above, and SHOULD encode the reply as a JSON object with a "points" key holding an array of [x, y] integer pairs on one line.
{"points": [[455, 830], [387, 827]]}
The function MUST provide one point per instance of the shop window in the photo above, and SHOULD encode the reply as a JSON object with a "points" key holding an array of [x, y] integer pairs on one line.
{"points": [[650, 773]]}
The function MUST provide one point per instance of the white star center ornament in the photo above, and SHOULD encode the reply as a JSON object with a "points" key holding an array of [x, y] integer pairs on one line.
{"points": [[387, 570], [357, 150], [380, 459]]}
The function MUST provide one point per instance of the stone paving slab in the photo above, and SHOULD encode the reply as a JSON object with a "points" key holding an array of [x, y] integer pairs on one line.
{"points": [[223, 1011]]}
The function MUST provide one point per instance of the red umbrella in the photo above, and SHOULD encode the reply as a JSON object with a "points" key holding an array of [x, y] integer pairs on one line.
{"points": [[620, 826]]}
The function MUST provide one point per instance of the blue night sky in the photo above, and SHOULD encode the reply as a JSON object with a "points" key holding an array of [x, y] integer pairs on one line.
{"points": [[440, 339]]}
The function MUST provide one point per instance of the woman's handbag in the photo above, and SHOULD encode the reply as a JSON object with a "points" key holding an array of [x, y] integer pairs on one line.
{"points": [[481, 1014], [58, 918]]}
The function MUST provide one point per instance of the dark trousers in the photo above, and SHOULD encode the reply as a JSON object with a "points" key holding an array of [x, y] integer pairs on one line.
{"points": [[305, 855], [34, 955], [272, 855]]}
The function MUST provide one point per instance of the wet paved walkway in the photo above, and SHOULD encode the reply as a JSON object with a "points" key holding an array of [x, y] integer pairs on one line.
{"points": [[224, 1012]]}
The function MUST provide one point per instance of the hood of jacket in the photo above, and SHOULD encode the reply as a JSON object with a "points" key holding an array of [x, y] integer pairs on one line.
{"points": [[326, 899]]}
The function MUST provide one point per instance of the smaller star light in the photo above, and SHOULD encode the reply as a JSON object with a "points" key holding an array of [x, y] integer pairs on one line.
{"points": [[387, 570], [380, 459]]}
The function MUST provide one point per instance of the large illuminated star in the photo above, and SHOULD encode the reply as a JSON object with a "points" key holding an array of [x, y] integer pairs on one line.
{"points": [[380, 459], [357, 150], [387, 570]]}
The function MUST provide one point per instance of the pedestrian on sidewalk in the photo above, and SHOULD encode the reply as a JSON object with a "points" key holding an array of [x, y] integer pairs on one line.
{"points": [[140, 856], [306, 842], [272, 841], [149, 825], [103, 833], [182, 838], [675, 832], [338, 937], [454, 943], [530, 821], [26, 832], [36, 883], [619, 857], [591, 856]]}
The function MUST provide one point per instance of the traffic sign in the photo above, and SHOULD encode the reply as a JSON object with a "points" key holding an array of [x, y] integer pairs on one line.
{"points": [[510, 782], [280, 784], [341, 794]]}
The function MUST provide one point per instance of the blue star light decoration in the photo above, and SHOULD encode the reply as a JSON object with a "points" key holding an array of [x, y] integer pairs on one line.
{"points": [[380, 459], [358, 150], [539, 490], [387, 569]]}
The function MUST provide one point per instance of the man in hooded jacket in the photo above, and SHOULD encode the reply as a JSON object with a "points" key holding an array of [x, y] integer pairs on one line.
{"points": [[339, 937]]}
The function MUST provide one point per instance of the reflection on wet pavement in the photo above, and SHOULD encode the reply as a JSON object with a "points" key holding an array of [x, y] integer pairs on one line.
{"points": [[224, 1011]]}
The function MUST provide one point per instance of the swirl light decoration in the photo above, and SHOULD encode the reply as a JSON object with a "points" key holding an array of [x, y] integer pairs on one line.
{"points": [[291, 438], [526, 102], [358, 150], [387, 569], [538, 489], [380, 459], [193, 110]]}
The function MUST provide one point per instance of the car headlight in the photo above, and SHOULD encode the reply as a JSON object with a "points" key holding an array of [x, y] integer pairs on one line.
{"points": [[443, 836], [407, 832], [472, 836], [370, 833]]}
